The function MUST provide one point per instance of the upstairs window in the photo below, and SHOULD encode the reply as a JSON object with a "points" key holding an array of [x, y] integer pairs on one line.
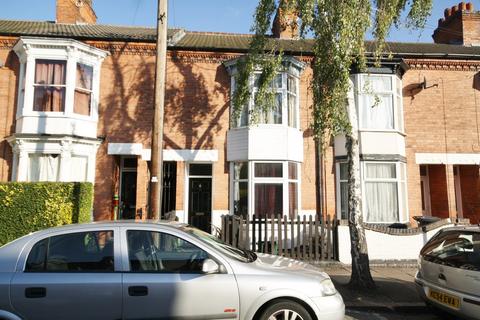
{"points": [[285, 86], [285, 109], [58, 76], [83, 89], [380, 102], [49, 86]]}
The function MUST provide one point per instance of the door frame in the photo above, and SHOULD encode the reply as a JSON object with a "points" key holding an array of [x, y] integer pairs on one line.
{"points": [[426, 192], [186, 198], [120, 183], [458, 191]]}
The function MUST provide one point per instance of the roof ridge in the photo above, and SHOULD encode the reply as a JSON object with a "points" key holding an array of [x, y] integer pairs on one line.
{"points": [[217, 33]]}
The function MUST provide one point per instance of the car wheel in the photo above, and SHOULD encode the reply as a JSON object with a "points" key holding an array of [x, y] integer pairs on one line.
{"points": [[285, 310]]}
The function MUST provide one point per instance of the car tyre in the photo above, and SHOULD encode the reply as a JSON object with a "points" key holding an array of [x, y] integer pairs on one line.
{"points": [[285, 310]]}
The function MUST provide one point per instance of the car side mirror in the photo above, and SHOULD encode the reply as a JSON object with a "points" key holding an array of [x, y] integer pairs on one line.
{"points": [[209, 266]]}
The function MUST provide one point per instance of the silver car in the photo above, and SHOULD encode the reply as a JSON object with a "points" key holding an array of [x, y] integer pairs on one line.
{"points": [[448, 277], [131, 270]]}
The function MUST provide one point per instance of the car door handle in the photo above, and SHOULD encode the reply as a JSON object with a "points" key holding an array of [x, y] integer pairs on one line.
{"points": [[34, 293], [137, 291], [441, 276]]}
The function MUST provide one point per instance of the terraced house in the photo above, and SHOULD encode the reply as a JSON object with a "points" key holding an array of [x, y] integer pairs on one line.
{"points": [[76, 104]]}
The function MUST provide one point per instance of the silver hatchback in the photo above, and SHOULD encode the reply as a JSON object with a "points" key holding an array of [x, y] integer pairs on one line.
{"points": [[448, 274], [149, 270]]}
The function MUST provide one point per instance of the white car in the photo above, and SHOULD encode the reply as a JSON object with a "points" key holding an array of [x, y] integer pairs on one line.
{"points": [[150, 270], [448, 276]]}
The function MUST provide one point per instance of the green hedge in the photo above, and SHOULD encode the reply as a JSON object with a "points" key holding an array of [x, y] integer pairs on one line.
{"points": [[30, 206]]}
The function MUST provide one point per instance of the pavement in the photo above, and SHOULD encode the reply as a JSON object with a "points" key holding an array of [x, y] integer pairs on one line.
{"points": [[395, 289]]}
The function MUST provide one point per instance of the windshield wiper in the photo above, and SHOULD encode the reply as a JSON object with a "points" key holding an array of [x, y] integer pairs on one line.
{"points": [[251, 256]]}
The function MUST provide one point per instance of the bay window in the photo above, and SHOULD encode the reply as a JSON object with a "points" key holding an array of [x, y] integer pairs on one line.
{"points": [[83, 89], [240, 187], [79, 168], [49, 86], [285, 109], [285, 86], [380, 102], [343, 189], [275, 188], [59, 84], [383, 191], [43, 167]]}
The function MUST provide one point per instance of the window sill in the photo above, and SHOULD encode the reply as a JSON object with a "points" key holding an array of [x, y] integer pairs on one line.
{"points": [[383, 131], [57, 115], [265, 126]]}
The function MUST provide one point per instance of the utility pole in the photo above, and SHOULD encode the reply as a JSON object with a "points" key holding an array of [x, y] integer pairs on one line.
{"points": [[156, 180]]}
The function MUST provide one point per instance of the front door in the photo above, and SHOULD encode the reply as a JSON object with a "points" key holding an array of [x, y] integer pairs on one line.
{"points": [[200, 196], [200, 203], [128, 188]]}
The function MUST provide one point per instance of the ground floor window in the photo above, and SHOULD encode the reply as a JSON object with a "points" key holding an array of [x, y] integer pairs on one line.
{"points": [[383, 191], [67, 159], [265, 188], [43, 167]]}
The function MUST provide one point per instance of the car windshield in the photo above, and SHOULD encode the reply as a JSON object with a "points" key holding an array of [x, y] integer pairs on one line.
{"points": [[236, 253], [459, 249]]}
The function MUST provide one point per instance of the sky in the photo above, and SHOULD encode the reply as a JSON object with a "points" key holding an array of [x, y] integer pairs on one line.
{"points": [[194, 15]]}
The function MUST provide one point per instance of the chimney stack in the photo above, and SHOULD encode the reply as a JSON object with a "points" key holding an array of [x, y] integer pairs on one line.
{"points": [[460, 25], [75, 12], [285, 24]]}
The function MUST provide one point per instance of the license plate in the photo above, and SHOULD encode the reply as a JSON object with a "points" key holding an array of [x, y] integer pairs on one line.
{"points": [[445, 299]]}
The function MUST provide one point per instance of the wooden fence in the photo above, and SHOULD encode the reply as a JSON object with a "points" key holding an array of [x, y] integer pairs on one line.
{"points": [[309, 239]]}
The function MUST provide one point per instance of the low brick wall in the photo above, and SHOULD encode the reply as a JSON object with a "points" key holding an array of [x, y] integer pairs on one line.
{"points": [[387, 244]]}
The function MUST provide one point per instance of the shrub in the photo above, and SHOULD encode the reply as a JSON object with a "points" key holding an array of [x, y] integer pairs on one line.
{"points": [[30, 206]]}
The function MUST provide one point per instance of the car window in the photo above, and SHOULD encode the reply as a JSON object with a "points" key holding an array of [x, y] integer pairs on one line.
{"points": [[150, 251], [459, 249], [74, 252]]}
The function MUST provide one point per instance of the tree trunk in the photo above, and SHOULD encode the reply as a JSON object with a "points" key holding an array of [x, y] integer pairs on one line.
{"points": [[361, 277]]}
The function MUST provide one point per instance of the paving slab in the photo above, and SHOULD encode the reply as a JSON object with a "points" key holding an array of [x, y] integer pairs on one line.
{"points": [[395, 288]]}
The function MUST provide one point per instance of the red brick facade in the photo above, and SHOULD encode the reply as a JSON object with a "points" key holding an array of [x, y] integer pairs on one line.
{"points": [[441, 116]]}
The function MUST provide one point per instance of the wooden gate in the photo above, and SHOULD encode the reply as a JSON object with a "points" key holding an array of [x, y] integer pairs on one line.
{"points": [[304, 238]]}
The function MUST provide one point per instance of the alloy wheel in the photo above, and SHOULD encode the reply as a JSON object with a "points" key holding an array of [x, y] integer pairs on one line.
{"points": [[285, 314]]}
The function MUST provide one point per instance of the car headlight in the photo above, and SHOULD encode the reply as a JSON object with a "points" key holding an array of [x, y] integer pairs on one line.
{"points": [[328, 289]]}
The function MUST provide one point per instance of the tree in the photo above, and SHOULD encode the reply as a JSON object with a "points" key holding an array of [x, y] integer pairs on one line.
{"points": [[338, 29]]}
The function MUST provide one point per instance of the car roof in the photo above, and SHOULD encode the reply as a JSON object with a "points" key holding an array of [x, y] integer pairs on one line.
{"points": [[113, 223], [471, 228], [124, 223]]}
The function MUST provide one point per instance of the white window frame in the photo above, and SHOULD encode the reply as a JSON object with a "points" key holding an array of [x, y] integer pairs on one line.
{"points": [[402, 193], [29, 50], [59, 159], [283, 91], [338, 189], [252, 181], [233, 181], [92, 91], [395, 93], [291, 67], [35, 85], [65, 147]]}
